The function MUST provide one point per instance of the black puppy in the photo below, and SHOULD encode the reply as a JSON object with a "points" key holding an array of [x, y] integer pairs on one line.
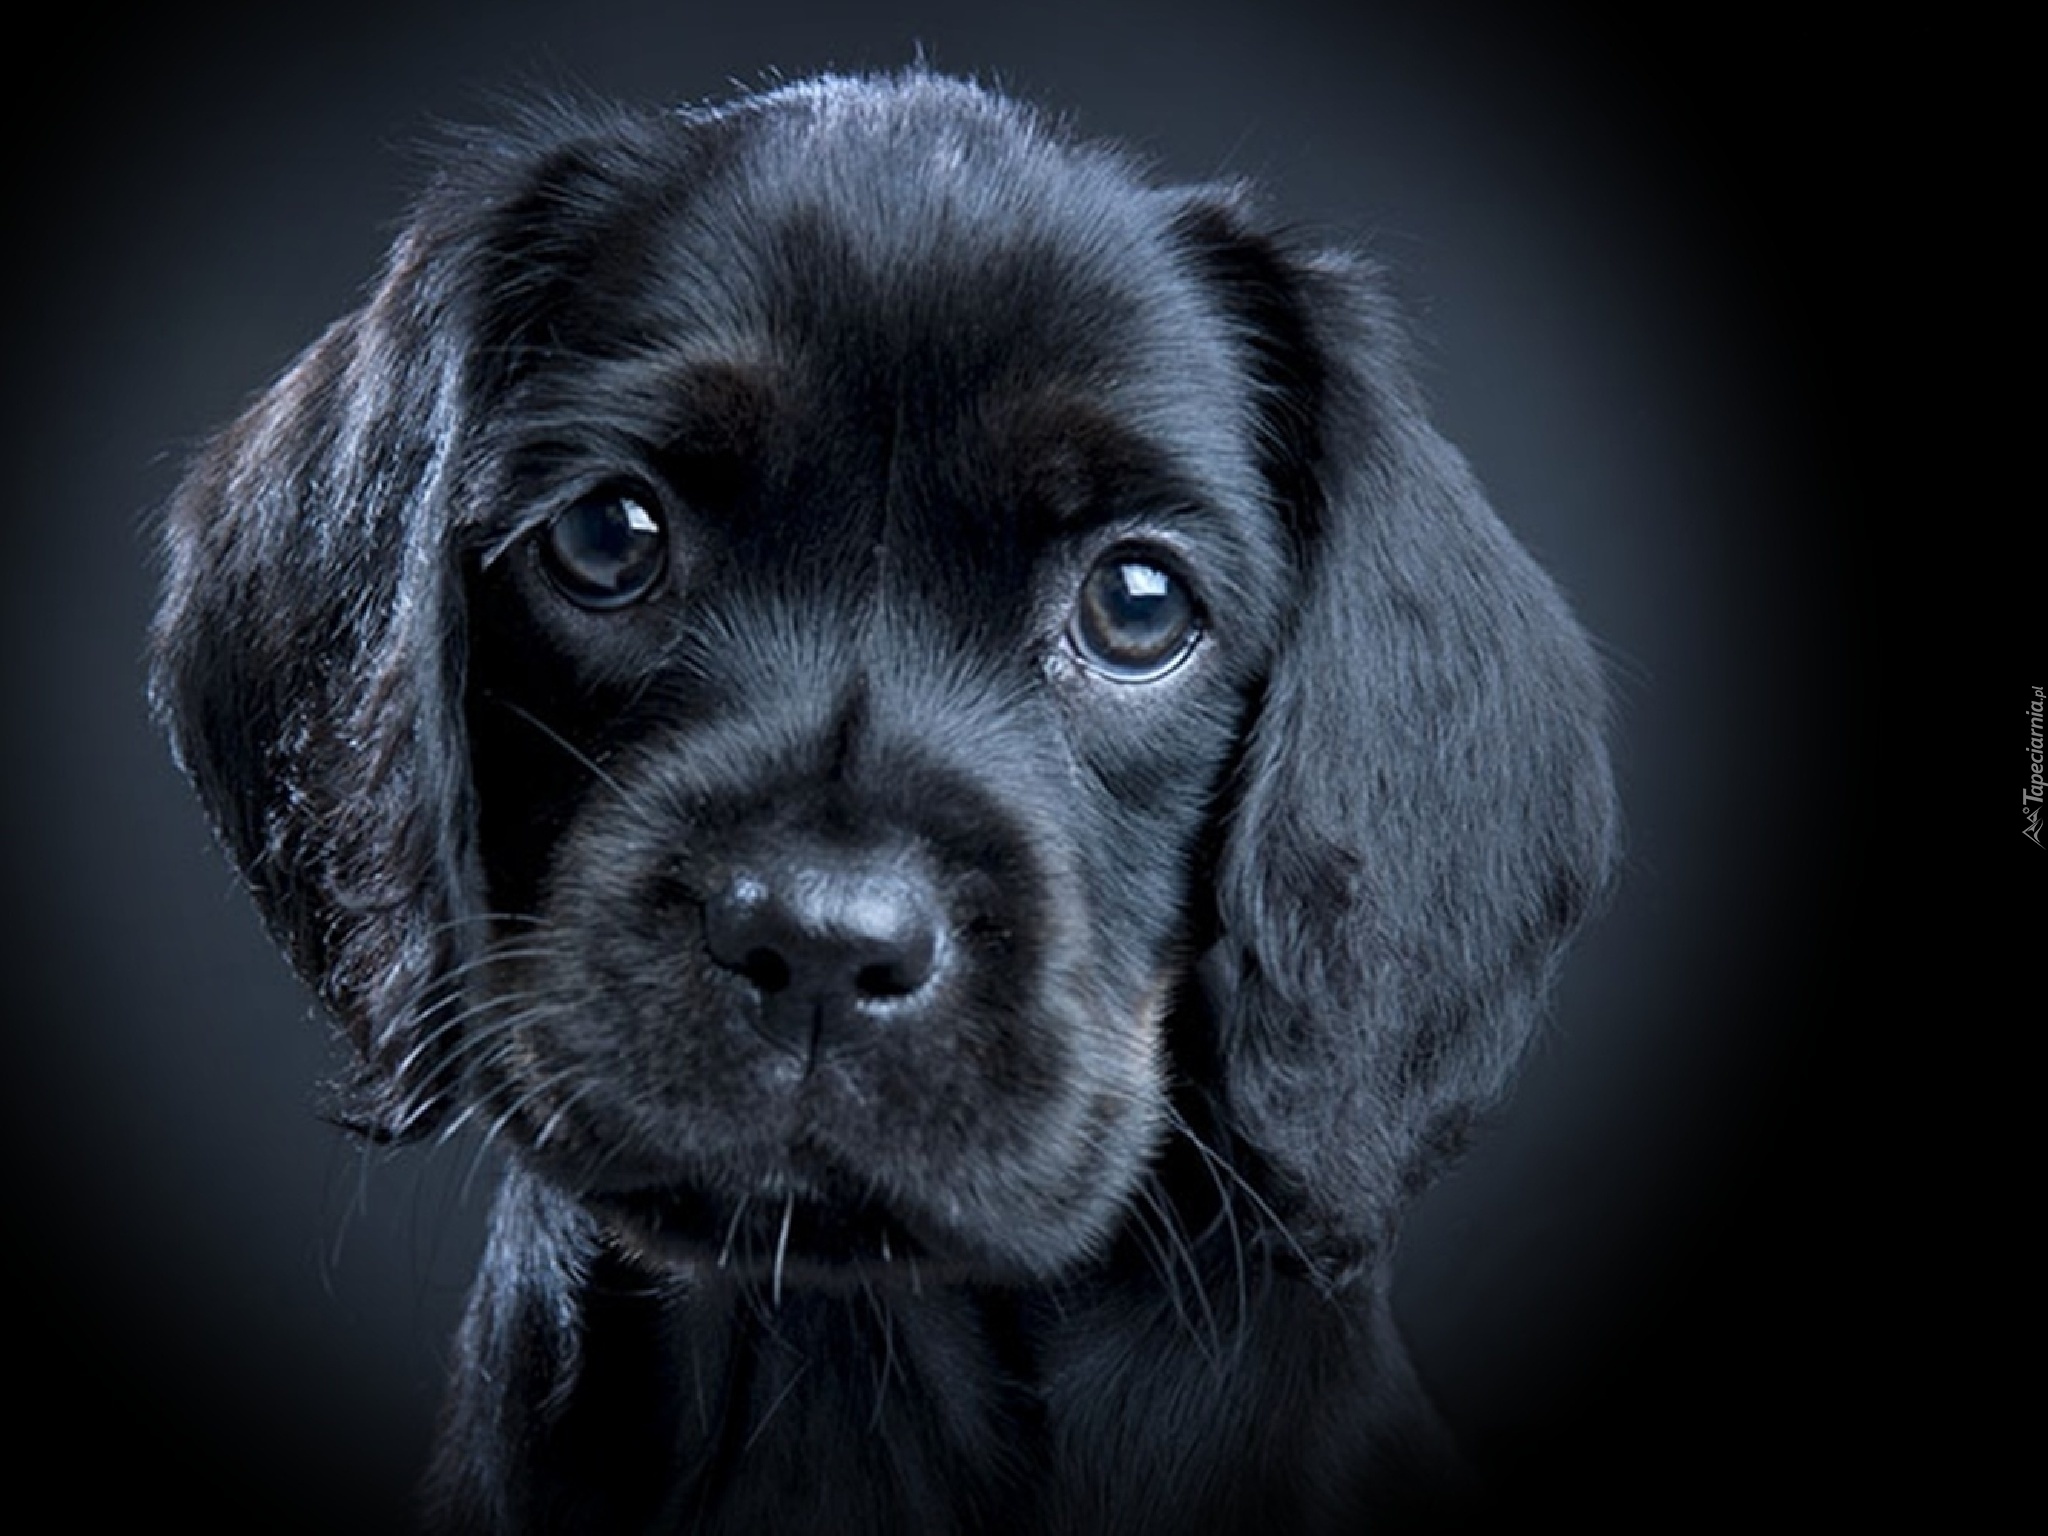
{"points": [[921, 730]]}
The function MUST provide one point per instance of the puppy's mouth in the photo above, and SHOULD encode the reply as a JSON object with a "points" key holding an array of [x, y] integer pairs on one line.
{"points": [[816, 1239]]}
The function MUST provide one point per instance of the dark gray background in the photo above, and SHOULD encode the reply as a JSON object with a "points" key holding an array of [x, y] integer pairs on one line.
{"points": [[1613, 239]]}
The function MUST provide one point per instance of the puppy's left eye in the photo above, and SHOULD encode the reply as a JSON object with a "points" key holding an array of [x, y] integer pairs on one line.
{"points": [[1134, 621], [606, 550]]}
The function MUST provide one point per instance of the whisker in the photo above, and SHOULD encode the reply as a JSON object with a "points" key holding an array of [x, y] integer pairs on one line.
{"points": [[455, 1009], [732, 1229], [886, 1321], [1175, 1262], [490, 1138], [457, 924], [1229, 1178], [761, 1426], [781, 1252], [576, 754], [1227, 1216], [553, 1123], [497, 1042]]}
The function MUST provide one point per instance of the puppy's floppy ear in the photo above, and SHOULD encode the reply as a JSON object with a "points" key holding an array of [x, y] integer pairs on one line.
{"points": [[1424, 809], [305, 659]]}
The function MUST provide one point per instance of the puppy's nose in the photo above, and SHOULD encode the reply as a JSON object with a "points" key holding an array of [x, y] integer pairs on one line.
{"points": [[828, 942]]}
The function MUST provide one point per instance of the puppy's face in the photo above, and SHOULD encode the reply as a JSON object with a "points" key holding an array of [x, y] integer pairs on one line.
{"points": [[754, 663], [867, 570]]}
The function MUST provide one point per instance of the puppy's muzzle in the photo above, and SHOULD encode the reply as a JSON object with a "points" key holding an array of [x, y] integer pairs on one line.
{"points": [[833, 941]]}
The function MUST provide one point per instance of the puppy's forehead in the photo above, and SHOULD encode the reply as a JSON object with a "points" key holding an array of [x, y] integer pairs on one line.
{"points": [[916, 251], [953, 226]]}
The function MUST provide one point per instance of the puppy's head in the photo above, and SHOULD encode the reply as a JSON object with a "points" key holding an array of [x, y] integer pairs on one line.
{"points": [[825, 668]]}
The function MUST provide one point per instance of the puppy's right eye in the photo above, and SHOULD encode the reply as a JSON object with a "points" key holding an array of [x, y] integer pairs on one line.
{"points": [[1135, 620], [606, 550]]}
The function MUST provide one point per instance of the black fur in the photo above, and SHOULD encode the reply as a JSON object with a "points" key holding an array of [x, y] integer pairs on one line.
{"points": [[948, 1081]]}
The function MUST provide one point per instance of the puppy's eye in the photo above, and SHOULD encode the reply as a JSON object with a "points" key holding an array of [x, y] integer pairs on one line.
{"points": [[1134, 621], [606, 550]]}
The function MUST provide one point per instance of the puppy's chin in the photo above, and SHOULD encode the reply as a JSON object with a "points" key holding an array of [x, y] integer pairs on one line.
{"points": [[810, 1240], [816, 1222]]}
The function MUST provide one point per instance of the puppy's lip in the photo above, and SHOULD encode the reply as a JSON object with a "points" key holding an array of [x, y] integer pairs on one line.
{"points": [[778, 1238]]}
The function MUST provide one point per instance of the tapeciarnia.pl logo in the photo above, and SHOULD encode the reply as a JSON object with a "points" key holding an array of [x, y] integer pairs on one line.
{"points": [[2030, 800]]}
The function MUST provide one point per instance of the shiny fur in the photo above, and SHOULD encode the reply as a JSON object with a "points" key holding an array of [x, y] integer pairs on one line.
{"points": [[945, 1082]]}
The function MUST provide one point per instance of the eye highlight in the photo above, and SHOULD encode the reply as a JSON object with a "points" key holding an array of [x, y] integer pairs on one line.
{"points": [[1134, 620], [606, 550]]}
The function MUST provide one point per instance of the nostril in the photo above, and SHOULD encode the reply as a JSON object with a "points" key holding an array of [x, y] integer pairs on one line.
{"points": [[883, 980], [902, 962], [745, 931], [767, 970]]}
